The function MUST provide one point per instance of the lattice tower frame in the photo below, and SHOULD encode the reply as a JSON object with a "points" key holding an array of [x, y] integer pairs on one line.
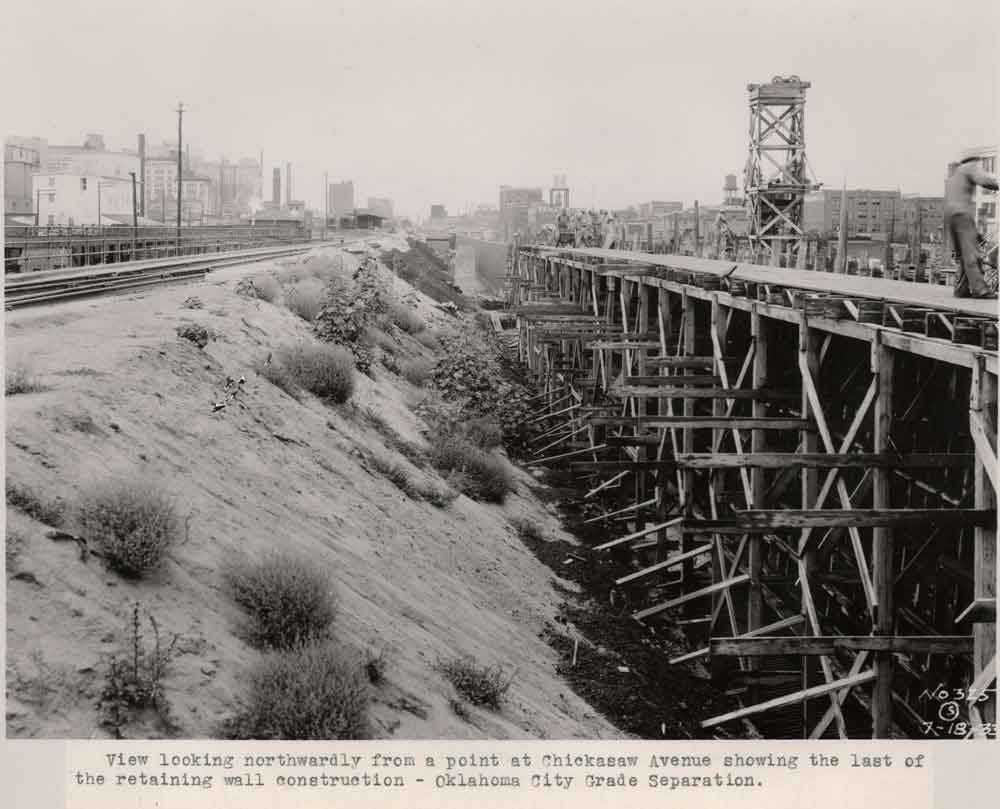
{"points": [[775, 179]]}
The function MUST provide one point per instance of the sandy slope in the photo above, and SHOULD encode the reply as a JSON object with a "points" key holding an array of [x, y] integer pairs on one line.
{"points": [[127, 397]]}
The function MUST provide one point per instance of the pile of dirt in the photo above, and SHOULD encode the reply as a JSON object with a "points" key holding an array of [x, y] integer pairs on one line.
{"points": [[423, 269]]}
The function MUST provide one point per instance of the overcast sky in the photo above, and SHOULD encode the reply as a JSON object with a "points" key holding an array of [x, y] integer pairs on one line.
{"points": [[442, 101]]}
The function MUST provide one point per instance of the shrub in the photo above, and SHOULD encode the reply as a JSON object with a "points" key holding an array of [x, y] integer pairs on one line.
{"points": [[49, 512], [528, 529], [134, 677], [267, 288], [305, 299], [14, 544], [417, 372], [480, 685], [375, 664], [132, 523], [483, 432], [406, 318], [288, 598], [438, 495], [194, 332], [310, 692], [482, 476], [395, 473], [324, 370], [325, 267], [19, 379]]}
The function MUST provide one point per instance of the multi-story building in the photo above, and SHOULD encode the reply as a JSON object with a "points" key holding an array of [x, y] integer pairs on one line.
{"points": [[341, 199], [515, 204], [92, 158], [22, 160], [872, 214], [69, 200], [918, 215], [658, 209], [438, 212], [380, 206]]}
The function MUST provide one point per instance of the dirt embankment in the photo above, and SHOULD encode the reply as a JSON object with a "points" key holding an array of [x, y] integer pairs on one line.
{"points": [[119, 394]]}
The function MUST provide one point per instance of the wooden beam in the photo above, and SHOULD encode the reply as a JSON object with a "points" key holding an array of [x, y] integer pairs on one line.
{"points": [[704, 422], [683, 599], [625, 510], [675, 379], [637, 534], [697, 393], [883, 364], [784, 623], [828, 645], [572, 454], [819, 460], [672, 561], [792, 699], [980, 611], [769, 520]]}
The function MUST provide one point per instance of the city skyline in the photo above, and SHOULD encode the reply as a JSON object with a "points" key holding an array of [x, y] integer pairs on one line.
{"points": [[894, 96]]}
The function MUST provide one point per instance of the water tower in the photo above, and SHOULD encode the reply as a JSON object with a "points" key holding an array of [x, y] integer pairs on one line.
{"points": [[731, 192]]}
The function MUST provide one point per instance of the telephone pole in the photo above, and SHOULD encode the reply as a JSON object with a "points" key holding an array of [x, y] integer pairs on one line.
{"points": [[326, 203], [180, 171]]}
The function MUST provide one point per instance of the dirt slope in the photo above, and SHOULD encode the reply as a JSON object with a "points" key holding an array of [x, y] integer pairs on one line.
{"points": [[127, 397]]}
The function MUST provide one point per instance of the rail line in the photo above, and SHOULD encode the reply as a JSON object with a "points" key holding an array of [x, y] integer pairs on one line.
{"points": [[58, 285]]}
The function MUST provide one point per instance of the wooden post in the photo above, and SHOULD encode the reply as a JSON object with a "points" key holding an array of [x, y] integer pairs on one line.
{"points": [[755, 609], [810, 490], [687, 441], [882, 539], [983, 397]]}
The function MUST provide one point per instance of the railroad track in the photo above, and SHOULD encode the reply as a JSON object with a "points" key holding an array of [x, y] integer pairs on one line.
{"points": [[60, 285]]}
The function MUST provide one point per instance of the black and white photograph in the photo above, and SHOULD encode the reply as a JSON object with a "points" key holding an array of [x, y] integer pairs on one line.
{"points": [[394, 371]]}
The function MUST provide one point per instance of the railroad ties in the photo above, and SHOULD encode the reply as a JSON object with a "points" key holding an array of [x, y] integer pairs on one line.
{"points": [[798, 468]]}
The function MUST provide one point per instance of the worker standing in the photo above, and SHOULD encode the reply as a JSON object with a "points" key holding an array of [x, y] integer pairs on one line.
{"points": [[958, 213]]}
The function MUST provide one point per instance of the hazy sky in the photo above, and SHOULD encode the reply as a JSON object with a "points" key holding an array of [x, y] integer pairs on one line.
{"points": [[430, 101]]}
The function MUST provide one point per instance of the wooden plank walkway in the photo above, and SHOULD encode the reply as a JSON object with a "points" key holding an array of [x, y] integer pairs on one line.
{"points": [[904, 292]]}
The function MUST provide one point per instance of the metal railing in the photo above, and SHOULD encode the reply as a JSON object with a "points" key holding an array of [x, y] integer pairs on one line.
{"points": [[30, 249]]}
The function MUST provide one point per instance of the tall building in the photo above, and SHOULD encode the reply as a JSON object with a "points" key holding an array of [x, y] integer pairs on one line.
{"points": [[276, 188], [92, 158], [381, 206], [22, 160], [514, 206], [438, 212], [341, 199], [877, 215]]}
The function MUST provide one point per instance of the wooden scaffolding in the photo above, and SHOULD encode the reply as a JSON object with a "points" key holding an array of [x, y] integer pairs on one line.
{"points": [[801, 470]]}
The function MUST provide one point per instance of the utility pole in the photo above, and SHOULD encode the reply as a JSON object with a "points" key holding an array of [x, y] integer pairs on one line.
{"points": [[180, 172], [135, 214], [326, 203]]}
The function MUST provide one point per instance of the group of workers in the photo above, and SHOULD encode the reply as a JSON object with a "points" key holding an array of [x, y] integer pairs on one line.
{"points": [[580, 228]]}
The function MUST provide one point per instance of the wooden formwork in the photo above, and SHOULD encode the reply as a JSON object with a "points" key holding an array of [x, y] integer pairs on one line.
{"points": [[802, 471]]}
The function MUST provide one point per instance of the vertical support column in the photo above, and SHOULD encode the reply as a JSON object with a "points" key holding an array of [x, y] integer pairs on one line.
{"points": [[759, 328], [983, 397], [882, 540], [716, 476], [810, 491], [663, 326], [687, 440]]}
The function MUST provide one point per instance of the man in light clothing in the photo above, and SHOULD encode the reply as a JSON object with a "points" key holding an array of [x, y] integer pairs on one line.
{"points": [[959, 222]]}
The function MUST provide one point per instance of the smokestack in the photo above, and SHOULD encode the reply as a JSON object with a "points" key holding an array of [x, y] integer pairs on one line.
{"points": [[276, 187], [142, 173], [288, 183]]}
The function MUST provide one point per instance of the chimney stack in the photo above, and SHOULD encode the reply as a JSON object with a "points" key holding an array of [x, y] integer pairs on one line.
{"points": [[288, 183], [276, 187]]}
